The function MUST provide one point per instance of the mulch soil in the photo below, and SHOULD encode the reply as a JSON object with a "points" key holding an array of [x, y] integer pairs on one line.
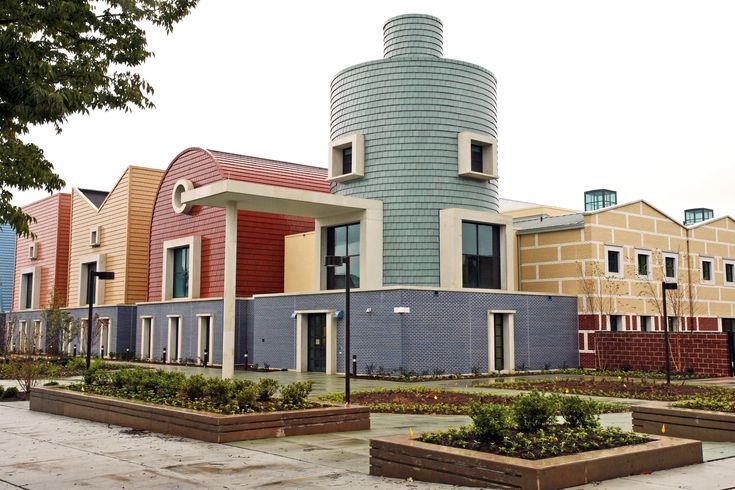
{"points": [[621, 389]]}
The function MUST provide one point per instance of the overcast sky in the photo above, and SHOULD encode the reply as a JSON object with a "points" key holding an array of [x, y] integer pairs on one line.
{"points": [[635, 96]]}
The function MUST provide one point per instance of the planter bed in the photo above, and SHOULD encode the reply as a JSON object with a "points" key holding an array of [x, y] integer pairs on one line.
{"points": [[702, 425], [403, 457], [199, 425]]}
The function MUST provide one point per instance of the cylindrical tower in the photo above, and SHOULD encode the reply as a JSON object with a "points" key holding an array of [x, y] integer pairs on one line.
{"points": [[410, 108]]}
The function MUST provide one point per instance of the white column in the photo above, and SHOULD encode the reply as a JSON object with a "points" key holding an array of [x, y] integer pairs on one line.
{"points": [[228, 314]]}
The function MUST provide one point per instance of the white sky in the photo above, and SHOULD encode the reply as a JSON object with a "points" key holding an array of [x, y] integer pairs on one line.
{"points": [[635, 96]]}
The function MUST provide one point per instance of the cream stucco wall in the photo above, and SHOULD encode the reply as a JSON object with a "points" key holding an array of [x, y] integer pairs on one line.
{"points": [[299, 268]]}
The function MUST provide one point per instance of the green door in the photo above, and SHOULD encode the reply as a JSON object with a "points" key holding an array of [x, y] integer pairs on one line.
{"points": [[499, 342], [317, 342]]}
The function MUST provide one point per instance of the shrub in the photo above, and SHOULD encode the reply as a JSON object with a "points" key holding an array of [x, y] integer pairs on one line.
{"points": [[534, 411], [246, 395], [96, 376], [219, 390], [580, 412], [194, 387], [491, 420], [76, 364], [293, 396], [10, 392], [2, 390], [267, 388], [51, 383]]}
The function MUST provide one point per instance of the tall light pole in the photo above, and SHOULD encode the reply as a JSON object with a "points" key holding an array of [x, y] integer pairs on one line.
{"points": [[93, 274], [665, 286], [336, 261]]}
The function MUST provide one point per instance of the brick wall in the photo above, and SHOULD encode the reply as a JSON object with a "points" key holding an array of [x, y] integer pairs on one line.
{"points": [[703, 352]]}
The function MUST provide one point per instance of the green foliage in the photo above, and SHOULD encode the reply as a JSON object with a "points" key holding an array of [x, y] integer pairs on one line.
{"points": [[61, 326], [10, 392], [714, 402], [2, 390], [246, 394], [267, 388], [51, 383], [59, 58], [194, 387], [294, 395], [534, 411], [490, 420], [580, 412]]}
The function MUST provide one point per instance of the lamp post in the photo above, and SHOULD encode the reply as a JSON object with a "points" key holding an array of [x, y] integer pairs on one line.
{"points": [[336, 261], [665, 287], [90, 299]]}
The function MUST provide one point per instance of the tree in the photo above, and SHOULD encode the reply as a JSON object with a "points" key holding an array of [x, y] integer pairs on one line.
{"points": [[61, 326], [64, 57]]}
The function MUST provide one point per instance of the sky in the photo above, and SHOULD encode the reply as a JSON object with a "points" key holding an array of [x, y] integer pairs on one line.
{"points": [[634, 96]]}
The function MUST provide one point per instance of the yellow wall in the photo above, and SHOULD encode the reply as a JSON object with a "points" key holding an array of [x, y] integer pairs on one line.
{"points": [[299, 263], [573, 262], [124, 222], [538, 211]]}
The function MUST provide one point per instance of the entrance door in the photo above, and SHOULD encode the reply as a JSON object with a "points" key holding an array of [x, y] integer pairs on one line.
{"points": [[499, 342], [317, 342]]}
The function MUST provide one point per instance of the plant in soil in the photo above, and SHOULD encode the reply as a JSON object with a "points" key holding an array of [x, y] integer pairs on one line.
{"points": [[715, 402], [172, 388], [527, 429]]}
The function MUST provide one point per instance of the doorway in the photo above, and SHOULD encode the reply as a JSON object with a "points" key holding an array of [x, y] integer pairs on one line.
{"points": [[501, 344], [317, 342], [204, 340]]}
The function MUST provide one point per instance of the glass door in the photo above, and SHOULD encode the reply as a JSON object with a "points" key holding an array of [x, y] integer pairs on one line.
{"points": [[499, 342], [317, 346]]}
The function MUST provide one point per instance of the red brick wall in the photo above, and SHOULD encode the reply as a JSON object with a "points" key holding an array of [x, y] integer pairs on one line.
{"points": [[703, 352]]}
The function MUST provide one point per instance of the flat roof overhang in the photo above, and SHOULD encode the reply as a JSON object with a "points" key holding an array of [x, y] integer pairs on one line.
{"points": [[262, 198]]}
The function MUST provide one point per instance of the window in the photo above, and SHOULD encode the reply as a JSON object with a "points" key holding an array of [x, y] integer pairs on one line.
{"points": [[670, 266], [33, 251], [643, 263], [673, 324], [706, 270], [174, 339], [27, 291], [480, 255], [697, 215], [614, 261], [344, 241], [181, 268], [616, 323], [730, 273], [599, 198], [94, 236], [644, 323], [181, 272], [146, 346], [477, 156], [87, 295], [346, 158]]}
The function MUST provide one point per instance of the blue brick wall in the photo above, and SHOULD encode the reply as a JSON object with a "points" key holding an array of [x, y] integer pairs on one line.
{"points": [[188, 310], [7, 262], [445, 330]]}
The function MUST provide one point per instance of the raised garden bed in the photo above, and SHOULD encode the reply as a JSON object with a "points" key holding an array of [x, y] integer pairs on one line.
{"points": [[703, 425], [198, 425], [404, 457], [618, 388]]}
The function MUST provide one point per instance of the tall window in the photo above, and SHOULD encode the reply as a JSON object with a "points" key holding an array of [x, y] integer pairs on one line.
{"points": [[347, 160], [88, 292], [706, 270], [344, 240], [480, 256], [476, 158], [181, 272], [730, 273], [670, 267], [643, 264], [615, 323], [27, 285], [613, 261]]}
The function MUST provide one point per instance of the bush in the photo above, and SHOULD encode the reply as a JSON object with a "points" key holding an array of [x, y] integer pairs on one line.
{"points": [[219, 391], [51, 383], [246, 395], [76, 363], [294, 395], [96, 376], [10, 392], [2, 390], [534, 411], [491, 420], [580, 412], [194, 387], [267, 388]]}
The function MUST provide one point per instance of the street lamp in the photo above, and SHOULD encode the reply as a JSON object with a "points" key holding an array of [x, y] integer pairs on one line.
{"points": [[93, 274], [336, 261], [665, 287]]}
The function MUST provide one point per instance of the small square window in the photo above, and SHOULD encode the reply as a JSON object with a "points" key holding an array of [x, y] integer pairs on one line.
{"points": [[477, 156], [670, 266], [616, 323], [347, 158], [33, 251], [94, 236]]}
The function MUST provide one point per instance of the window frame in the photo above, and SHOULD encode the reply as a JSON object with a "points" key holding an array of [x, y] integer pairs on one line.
{"points": [[335, 169], [331, 276], [619, 323], [194, 264], [711, 261], [647, 254], [669, 255], [489, 144], [35, 283], [496, 257], [621, 261], [649, 327], [731, 263]]}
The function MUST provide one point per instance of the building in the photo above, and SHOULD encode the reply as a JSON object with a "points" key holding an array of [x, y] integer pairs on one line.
{"points": [[110, 231], [615, 259], [7, 261], [40, 271], [182, 319], [413, 203]]}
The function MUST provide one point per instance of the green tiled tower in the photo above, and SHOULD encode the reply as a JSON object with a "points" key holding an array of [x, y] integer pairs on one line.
{"points": [[410, 107]]}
